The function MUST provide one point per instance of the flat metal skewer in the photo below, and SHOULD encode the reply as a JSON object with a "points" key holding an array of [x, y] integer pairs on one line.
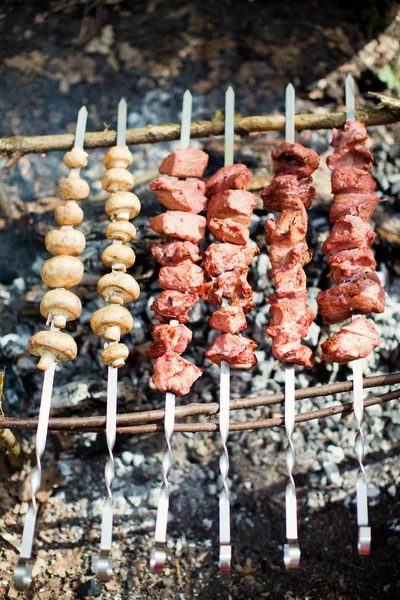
{"points": [[103, 565], [364, 530], [291, 549], [23, 570], [159, 553]]}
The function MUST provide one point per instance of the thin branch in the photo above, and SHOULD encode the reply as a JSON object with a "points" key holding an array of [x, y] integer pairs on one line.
{"points": [[17, 146]]}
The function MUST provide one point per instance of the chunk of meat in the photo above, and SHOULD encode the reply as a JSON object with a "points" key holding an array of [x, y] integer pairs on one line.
{"points": [[351, 180], [174, 374], [186, 162], [231, 285], [234, 177], [228, 230], [355, 340], [175, 252], [229, 319], [284, 258], [185, 277], [219, 258], [344, 265], [287, 346], [289, 280], [180, 195], [179, 224], [289, 228], [352, 134], [172, 304], [285, 186], [356, 205], [357, 156], [237, 205], [168, 338], [294, 159], [290, 314], [362, 293], [347, 233], [234, 349]]}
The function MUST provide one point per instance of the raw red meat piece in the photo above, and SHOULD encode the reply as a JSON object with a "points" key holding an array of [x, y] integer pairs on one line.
{"points": [[237, 205], [229, 319], [174, 374], [228, 230], [294, 159], [284, 186], [179, 224], [352, 134], [185, 277], [219, 258], [186, 162], [347, 233], [347, 263], [234, 349], [168, 338], [357, 205], [352, 180], [175, 252], [174, 305], [231, 285], [234, 177], [355, 340], [357, 156], [180, 195], [287, 346]]}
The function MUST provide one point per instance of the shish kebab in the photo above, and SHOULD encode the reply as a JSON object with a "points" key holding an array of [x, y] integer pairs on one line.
{"points": [[58, 306], [352, 263], [181, 279], [290, 194]]}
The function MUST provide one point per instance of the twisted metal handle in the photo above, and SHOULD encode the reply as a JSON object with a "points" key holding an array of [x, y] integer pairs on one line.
{"points": [[225, 548]]}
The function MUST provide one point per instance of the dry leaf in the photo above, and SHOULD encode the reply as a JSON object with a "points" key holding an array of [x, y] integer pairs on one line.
{"points": [[102, 43], [72, 70], [51, 479], [130, 56], [386, 100], [66, 564], [28, 62]]}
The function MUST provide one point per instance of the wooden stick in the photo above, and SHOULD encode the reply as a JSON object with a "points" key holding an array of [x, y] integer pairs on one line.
{"points": [[16, 147], [8, 441]]}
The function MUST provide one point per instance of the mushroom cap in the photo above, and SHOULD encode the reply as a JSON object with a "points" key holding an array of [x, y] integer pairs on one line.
{"points": [[65, 241], [69, 214], [60, 345], [60, 302], [73, 187], [109, 317], [114, 355], [122, 202], [116, 179], [118, 156], [75, 158], [118, 288], [118, 256], [62, 271], [122, 231]]}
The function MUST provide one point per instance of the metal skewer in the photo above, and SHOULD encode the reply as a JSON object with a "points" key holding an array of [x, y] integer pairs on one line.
{"points": [[103, 564], [159, 553], [364, 530], [291, 548], [23, 570]]}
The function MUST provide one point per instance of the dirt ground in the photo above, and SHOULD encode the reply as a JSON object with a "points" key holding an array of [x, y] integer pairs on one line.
{"points": [[57, 55]]}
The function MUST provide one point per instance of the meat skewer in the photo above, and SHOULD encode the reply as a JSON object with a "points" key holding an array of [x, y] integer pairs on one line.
{"points": [[113, 321], [58, 306], [181, 278]]}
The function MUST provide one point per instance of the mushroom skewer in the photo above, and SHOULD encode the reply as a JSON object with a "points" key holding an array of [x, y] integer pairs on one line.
{"points": [[113, 321], [58, 306], [159, 554]]}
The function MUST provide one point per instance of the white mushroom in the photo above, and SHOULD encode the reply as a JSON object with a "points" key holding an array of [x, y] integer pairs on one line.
{"points": [[110, 322], [62, 271], [65, 241], [114, 355], [118, 257], [60, 306], [118, 156], [52, 346], [73, 188], [69, 214], [122, 206], [75, 158], [118, 288], [117, 179], [122, 231]]}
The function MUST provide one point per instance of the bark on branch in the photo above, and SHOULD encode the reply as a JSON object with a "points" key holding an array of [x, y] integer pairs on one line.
{"points": [[16, 147]]}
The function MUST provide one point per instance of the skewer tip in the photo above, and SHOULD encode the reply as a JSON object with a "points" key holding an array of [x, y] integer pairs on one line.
{"points": [[187, 95]]}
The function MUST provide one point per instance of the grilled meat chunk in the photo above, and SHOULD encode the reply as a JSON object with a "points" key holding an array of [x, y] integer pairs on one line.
{"points": [[186, 162], [284, 258], [185, 277], [356, 156], [285, 186], [355, 205], [234, 177], [344, 265], [180, 195], [294, 159], [290, 227], [352, 134], [351, 180], [228, 319], [174, 374], [175, 252], [172, 304], [231, 285], [287, 346], [353, 341], [237, 205], [347, 233], [228, 230], [234, 349], [219, 258], [168, 338], [290, 314], [179, 224]]}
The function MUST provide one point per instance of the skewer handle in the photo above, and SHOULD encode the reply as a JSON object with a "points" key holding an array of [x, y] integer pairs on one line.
{"points": [[225, 548]]}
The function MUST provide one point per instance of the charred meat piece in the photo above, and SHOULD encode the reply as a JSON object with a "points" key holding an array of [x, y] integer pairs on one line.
{"points": [[219, 258], [355, 340], [179, 224], [356, 205], [357, 156], [287, 346], [175, 252], [186, 162], [344, 265], [237, 205], [285, 186], [174, 374], [229, 319], [174, 305], [352, 134], [180, 195], [347, 233], [231, 285], [362, 293], [294, 159], [234, 349], [352, 180], [228, 230], [234, 177], [168, 338], [185, 277]]}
